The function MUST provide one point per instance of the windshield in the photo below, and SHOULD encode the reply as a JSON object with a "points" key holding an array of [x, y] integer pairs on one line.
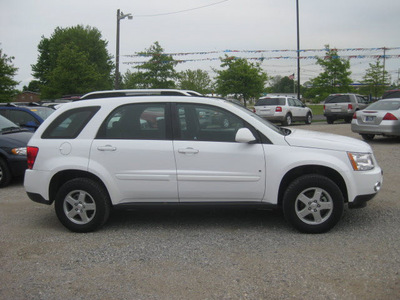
{"points": [[42, 112], [6, 124], [280, 130], [385, 105], [270, 101]]}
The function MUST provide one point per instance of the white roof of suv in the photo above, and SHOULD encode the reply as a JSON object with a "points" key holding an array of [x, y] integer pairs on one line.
{"points": [[138, 92]]}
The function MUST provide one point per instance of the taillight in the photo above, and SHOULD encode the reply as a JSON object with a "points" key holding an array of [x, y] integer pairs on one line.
{"points": [[350, 106], [324, 107], [278, 109], [254, 110], [31, 156], [355, 116], [389, 117]]}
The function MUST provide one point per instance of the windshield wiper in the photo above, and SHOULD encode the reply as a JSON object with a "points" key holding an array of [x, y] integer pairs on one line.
{"points": [[12, 129]]}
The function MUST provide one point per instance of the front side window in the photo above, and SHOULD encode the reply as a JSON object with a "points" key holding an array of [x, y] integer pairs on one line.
{"points": [[69, 124], [207, 123], [144, 121]]}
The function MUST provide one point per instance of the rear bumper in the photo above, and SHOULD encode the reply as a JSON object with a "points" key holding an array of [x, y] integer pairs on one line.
{"points": [[384, 129], [38, 198]]}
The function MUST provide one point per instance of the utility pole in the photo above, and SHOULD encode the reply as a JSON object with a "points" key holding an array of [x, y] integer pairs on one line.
{"points": [[384, 61], [120, 16], [298, 50]]}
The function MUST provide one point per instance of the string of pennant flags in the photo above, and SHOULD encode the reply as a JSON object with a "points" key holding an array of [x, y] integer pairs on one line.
{"points": [[262, 58]]}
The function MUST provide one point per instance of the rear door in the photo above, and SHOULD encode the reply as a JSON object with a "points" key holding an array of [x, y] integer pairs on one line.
{"points": [[133, 153], [211, 166]]}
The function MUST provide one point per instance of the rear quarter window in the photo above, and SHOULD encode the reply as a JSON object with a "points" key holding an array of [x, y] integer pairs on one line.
{"points": [[70, 123]]}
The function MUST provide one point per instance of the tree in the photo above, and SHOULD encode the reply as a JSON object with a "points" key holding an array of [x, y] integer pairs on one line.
{"points": [[7, 73], [336, 75], [241, 78], [73, 40], [197, 80], [375, 79], [158, 72], [282, 85], [33, 86], [74, 74]]}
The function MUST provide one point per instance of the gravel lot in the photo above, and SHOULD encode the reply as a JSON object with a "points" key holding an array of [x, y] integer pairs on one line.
{"points": [[206, 254]]}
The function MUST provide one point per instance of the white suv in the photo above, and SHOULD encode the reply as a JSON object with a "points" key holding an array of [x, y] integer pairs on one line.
{"points": [[283, 109], [91, 156]]}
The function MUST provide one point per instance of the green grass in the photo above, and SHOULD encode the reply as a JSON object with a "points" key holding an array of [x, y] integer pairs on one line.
{"points": [[317, 109]]}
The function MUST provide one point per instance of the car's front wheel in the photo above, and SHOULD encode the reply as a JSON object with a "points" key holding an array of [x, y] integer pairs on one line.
{"points": [[5, 174], [82, 205], [308, 119], [313, 203]]}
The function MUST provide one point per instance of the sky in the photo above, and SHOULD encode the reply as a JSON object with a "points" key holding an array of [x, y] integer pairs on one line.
{"points": [[199, 32]]}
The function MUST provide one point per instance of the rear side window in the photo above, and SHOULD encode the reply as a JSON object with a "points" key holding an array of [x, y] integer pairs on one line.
{"points": [[338, 99], [271, 101], [146, 121], [69, 124]]}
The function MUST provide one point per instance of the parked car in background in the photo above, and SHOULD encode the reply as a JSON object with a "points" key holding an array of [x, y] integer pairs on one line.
{"points": [[92, 156], [343, 106], [380, 118], [283, 109], [13, 140], [26, 116], [391, 94]]}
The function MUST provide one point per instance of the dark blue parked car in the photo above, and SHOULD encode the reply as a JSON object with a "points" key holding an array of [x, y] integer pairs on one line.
{"points": [[29, 117], [13, 141]]}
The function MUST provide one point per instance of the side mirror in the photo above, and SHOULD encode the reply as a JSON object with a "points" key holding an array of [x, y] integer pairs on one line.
{"points": [[244, 135]]}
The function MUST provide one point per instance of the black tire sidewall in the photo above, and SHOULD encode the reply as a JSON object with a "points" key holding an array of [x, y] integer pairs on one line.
{"points": [[99, 195], [309, 181], [6, 177]]}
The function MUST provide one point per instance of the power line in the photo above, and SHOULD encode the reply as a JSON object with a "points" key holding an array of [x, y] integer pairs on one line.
{"points": [[180, 11]]}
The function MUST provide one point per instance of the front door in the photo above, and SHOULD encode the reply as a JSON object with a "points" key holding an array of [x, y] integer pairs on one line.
{"points": [[211, 166]]}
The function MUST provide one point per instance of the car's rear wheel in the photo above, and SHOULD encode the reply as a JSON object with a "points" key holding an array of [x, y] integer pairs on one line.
{"points": [[348, 119], [5, 173], [288, 120], [313, 203], [82, 205], [330, 120], [368, 137]]}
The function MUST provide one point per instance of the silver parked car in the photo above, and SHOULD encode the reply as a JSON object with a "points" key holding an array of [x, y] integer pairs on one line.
{"points": [[283, 109], [380, 118], [343, 106]]}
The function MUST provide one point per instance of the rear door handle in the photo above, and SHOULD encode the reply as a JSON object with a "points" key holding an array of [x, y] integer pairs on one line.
{"points": [[106, 148]]}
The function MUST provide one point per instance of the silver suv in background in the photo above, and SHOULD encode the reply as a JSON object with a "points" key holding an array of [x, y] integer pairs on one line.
{"points": [[283, 109], [343, 106]]}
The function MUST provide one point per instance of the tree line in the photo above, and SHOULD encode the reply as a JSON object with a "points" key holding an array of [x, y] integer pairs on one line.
{"points": [[75, 60]]}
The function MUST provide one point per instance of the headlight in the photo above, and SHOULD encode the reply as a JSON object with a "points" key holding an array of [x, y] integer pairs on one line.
{"points": [[361, 161], [19, 151]]}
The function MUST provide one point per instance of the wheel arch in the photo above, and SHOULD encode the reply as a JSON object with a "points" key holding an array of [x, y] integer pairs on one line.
{"points": [[312, 169], [63, 176]]}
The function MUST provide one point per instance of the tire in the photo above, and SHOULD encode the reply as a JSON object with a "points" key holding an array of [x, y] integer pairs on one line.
{"points": [[82, 205], [368, 137], [348, 119], [308, 119], [313, 204], [330, 120], [288, 120], [5, 173]]}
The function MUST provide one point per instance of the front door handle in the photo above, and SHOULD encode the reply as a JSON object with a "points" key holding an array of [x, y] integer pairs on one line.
{"points": [[106, 148]]}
